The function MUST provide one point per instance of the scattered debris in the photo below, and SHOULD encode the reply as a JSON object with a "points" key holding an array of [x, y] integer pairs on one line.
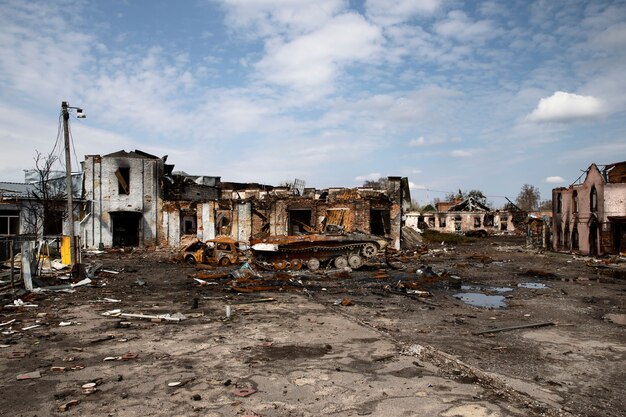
{"points": [[244, 392], [616, 318], [19, 304], [68, 405], [167, 317], [29, 375], [523, 326]]}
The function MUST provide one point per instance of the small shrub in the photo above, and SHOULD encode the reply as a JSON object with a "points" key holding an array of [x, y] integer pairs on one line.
{"points": [[434, 236]]}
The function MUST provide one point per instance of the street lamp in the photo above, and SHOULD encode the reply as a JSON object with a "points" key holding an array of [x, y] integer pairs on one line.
{"points": [[65, 109]]}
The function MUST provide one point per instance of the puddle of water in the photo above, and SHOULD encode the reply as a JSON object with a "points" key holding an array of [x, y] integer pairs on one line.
{"points": [[479, 288], [532, 285], [481, 300]]}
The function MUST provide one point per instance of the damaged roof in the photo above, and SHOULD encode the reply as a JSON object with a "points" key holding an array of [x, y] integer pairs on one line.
{"points": [[132, 154], [15, 189], [469, 204]]}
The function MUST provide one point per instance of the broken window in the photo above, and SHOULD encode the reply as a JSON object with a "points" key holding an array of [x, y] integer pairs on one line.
{"points": [[53, 222], [189, 221], [442, 221], [9, 222], [431, 222], [123, 180], [559, 203], [457, 223], [504, 222], [299, 221], [476, 222], [575, 202], [488, 220], [593, 200]]}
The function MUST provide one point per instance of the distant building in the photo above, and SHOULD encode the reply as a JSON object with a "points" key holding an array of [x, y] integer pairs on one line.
{"points": [[589, 217], [462, 216]]}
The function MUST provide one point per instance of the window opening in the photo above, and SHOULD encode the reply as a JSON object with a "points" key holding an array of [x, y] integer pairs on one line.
{"points": [[9, 222], [593, 200], [123, 180]]}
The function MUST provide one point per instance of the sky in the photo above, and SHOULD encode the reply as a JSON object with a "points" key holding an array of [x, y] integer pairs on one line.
{"points": [[486, 95]]}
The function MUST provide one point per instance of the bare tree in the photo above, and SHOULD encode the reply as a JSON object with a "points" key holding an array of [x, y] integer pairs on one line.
{"points": [[528, 198], [45, 206]]}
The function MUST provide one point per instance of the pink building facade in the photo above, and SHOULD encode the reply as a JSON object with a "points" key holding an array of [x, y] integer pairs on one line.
{"points": [[590, 217]]}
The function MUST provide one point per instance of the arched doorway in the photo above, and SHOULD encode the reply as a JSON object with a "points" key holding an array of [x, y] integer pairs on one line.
{"points": [[593, 236]]}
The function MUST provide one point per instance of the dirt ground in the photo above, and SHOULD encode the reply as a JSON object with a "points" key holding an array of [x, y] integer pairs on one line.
{"points": [[392, 339]]}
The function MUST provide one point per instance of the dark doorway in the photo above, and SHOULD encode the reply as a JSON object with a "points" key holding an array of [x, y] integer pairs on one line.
{"points": [[380, 222], [619, 236], [126, 226], [299, 220], [593, 237]]}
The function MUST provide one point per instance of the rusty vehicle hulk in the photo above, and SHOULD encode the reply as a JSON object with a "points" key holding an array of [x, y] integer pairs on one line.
{"points": [[221, 250], [314, 250]]}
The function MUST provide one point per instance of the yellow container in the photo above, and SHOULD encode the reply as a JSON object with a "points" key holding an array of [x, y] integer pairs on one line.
{"points": [[66, 257]]}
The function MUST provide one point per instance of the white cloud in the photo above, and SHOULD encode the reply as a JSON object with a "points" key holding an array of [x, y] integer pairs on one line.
{"points": [[460, 27], [554, 180], [369, 177], [386, 13], [421, 141], [312, 62], [273, 17], [417, 142], [414, 186], [565, 107], [461, 153]]}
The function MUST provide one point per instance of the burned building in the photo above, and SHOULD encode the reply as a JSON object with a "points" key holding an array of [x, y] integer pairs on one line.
{"points": [[124, 199], [281, 211], [462, 216], [589, 216], [136, 199]]}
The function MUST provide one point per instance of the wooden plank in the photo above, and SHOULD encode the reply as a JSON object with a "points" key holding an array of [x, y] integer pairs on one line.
{"points": [[523, 326]]}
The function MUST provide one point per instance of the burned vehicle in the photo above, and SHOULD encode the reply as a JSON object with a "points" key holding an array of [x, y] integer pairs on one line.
{"points": [[221, 250], [317, 249]]}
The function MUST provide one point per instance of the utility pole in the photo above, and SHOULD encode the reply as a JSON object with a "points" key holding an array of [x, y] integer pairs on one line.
{"points": [[68, 180]]}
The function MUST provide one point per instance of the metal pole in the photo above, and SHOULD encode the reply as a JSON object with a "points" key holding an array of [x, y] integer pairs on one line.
{"points": [[12, 269], [68, 175]]}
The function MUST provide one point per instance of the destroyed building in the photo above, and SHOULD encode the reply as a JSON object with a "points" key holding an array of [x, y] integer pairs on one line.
{"points": [[136, 199], [589, 216], [37, 208], [124, 198], [462, 216]]}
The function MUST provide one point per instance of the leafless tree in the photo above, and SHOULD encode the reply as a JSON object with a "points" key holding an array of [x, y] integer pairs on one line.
{"points": [[45, 206]]}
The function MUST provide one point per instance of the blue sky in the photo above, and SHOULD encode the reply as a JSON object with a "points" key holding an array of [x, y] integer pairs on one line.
{"points": [[454, 95]]}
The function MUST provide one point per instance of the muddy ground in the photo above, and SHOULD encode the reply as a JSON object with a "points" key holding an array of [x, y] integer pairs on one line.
{"points": [[392, 339]]}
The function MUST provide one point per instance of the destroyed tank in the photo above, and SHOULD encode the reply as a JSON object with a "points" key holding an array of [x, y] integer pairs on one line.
{"points": [[317, 249]]}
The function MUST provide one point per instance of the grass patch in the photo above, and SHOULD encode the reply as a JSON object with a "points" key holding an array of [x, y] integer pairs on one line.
{"points": [[433, 236]]}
